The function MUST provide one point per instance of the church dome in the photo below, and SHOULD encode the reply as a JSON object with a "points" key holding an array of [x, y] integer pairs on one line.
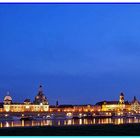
{"points": [[9, 98]]}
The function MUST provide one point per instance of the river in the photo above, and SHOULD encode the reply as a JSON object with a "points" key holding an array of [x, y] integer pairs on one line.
{"points": [[62, 122]]}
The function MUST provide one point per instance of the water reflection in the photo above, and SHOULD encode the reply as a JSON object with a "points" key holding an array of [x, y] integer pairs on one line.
{"points": [[69, 122], [119, 121], [80, 121], [7, 124], [62, 122]]}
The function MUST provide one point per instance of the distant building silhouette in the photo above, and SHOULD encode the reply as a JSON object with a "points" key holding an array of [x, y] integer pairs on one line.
{"points": [[57, 103]]}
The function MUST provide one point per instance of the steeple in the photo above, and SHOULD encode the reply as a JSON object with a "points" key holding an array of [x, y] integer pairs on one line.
{"points": [[56, 103], [40, 90], [134, 98], [121, 99]]}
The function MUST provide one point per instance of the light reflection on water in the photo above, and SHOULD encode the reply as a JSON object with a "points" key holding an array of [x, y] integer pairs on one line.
{"points": [[62, 122]]}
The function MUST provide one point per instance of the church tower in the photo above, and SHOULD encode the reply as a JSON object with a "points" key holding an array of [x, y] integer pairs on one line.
{"points": [[41, 98], [121, 100]]}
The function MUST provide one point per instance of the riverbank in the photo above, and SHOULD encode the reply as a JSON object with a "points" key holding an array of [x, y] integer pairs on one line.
{"points": [[88, 130]]}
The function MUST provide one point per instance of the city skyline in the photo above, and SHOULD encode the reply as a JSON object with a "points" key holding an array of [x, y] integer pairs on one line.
{"points": [[40, 92], [80, 53]]}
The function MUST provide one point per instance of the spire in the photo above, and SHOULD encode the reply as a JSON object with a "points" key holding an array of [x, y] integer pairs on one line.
{"points": [[40, 88], [121, 99], [57, 103], [135, 98], [122, 94]]}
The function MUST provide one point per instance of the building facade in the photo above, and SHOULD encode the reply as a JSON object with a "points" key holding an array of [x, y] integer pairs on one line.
{"points": [[115, 106], [39, 105]]}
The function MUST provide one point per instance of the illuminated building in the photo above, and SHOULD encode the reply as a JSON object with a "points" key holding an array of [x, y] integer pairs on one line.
{"points": [[74, 108], [41, 98], [135, 105], [114, 105], [39, 105]]}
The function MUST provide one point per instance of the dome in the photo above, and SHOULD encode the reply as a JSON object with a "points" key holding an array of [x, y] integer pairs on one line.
{"points": [[122, 94], [7, 98]]}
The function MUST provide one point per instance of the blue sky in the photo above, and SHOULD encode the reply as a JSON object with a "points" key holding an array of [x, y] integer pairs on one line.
{"points": [[80, 53]]}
